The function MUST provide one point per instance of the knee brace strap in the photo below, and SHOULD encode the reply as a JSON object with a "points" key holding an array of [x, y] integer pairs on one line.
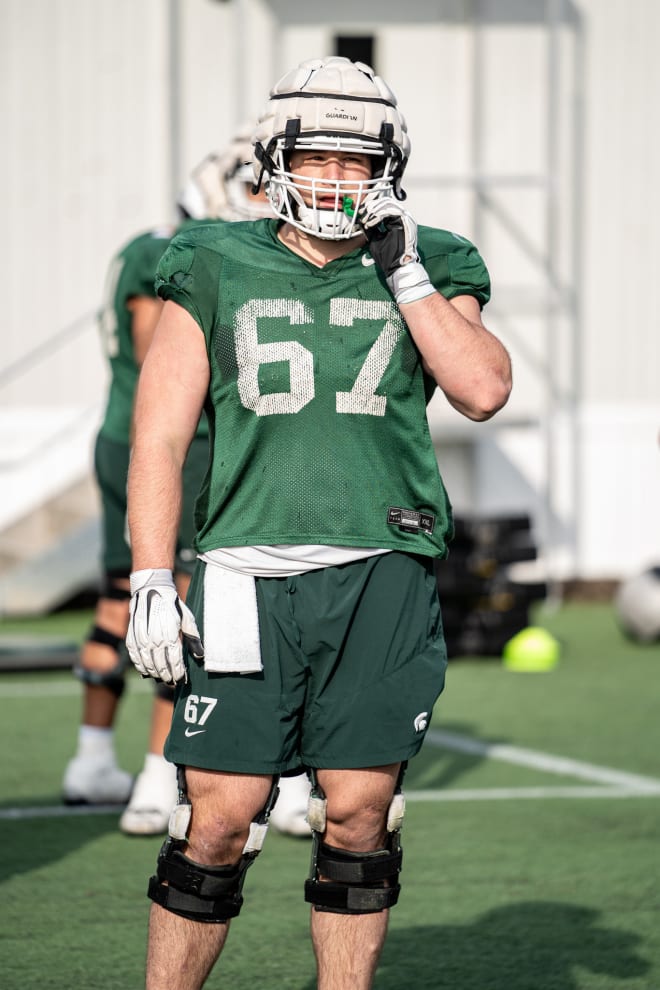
{"points": [[357, 883], [112, 679], [191, 890], [98, 634], [109, 588], [164, 691]]}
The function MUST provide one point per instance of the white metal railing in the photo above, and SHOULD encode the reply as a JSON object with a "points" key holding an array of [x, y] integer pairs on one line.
{"points": [[21, 439]]}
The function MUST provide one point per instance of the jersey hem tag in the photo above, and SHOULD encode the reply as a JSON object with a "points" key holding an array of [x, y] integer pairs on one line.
{"points": [[411, 521]]}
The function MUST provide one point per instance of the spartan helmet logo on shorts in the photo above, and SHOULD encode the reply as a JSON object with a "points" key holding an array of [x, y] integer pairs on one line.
{"points": [[330, 104], [421, 721]]}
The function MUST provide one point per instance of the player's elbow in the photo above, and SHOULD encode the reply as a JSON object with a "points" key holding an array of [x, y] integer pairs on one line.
{"points": [[492, 399], [485, 400]]}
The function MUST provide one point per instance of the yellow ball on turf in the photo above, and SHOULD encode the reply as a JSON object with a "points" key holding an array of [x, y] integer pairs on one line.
{"points": [[532, 649]]}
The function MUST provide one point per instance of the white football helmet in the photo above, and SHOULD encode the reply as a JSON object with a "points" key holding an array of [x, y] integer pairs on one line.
{"points": [[329, 104], [219, 187]]}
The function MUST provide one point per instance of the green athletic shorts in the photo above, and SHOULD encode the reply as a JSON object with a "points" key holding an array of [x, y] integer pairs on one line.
{"points": [[354, 660], [111, 465], [111, 459]]}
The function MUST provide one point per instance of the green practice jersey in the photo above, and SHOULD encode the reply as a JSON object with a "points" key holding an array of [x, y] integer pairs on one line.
{"points": [[317, 397], [131, 274]]}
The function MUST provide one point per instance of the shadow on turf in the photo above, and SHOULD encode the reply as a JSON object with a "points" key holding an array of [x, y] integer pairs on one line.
{"points": [[534, 945], [439, 767], [29, 845]]}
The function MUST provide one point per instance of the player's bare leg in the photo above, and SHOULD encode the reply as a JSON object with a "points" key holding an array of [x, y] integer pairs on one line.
{"points": [[92, 776], [100, 703], [181, 953], [348, 947]]}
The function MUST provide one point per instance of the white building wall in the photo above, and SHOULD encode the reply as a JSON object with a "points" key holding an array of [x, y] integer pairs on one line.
{"points": [[84, 117], [618, 520], [99, 132]]}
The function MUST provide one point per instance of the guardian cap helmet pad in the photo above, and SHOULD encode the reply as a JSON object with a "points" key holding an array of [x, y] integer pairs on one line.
{"points": [[330, 104]]}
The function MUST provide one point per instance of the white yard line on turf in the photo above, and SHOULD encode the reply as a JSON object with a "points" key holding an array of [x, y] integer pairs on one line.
{"points": [[527, 793], [59, 811], [59, 689], [546, 762]]}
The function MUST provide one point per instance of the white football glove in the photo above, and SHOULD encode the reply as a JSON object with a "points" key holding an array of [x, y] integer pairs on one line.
{"points": [[392, 235], [157, 618]]}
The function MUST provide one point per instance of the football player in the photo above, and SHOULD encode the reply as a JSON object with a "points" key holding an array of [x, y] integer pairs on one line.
{"points": [[219, 188], [312, 634]]}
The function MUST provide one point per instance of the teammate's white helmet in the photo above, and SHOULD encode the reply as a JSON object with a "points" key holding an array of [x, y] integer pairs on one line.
{"points": [[330, 104], [219, 187]]}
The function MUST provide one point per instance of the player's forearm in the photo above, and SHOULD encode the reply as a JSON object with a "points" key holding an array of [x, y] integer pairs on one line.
{"points": [[469, 364], [154, 505]]}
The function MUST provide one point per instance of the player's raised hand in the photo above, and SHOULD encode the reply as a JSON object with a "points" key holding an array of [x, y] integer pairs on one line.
{"points": [[392, 235]]}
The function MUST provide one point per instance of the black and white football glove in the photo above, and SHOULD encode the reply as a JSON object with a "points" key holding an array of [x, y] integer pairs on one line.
{"points": [[158, 618], [392, 236]]}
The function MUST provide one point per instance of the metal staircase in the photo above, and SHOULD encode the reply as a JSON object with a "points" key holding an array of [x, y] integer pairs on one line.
{"points": [[51, 554]]}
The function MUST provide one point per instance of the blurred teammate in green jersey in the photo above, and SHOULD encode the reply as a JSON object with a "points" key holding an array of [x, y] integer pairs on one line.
{"points": [[219, 188], [312, 634]]}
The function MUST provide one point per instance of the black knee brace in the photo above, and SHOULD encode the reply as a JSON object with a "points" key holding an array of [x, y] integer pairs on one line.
{"points": [[357, 883], [112, 679], [354, 883], [211, 894], [191, 890]]}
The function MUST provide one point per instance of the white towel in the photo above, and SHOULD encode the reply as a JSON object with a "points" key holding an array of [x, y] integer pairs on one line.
{"points": [[231, 622]]}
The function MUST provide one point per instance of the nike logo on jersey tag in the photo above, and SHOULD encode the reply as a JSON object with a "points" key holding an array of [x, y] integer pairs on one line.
{"points": [[367, 260], [194, 732], [411, 521]]}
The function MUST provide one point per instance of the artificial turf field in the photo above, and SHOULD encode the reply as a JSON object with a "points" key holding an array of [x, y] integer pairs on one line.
{"points": [[531, 840]]}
